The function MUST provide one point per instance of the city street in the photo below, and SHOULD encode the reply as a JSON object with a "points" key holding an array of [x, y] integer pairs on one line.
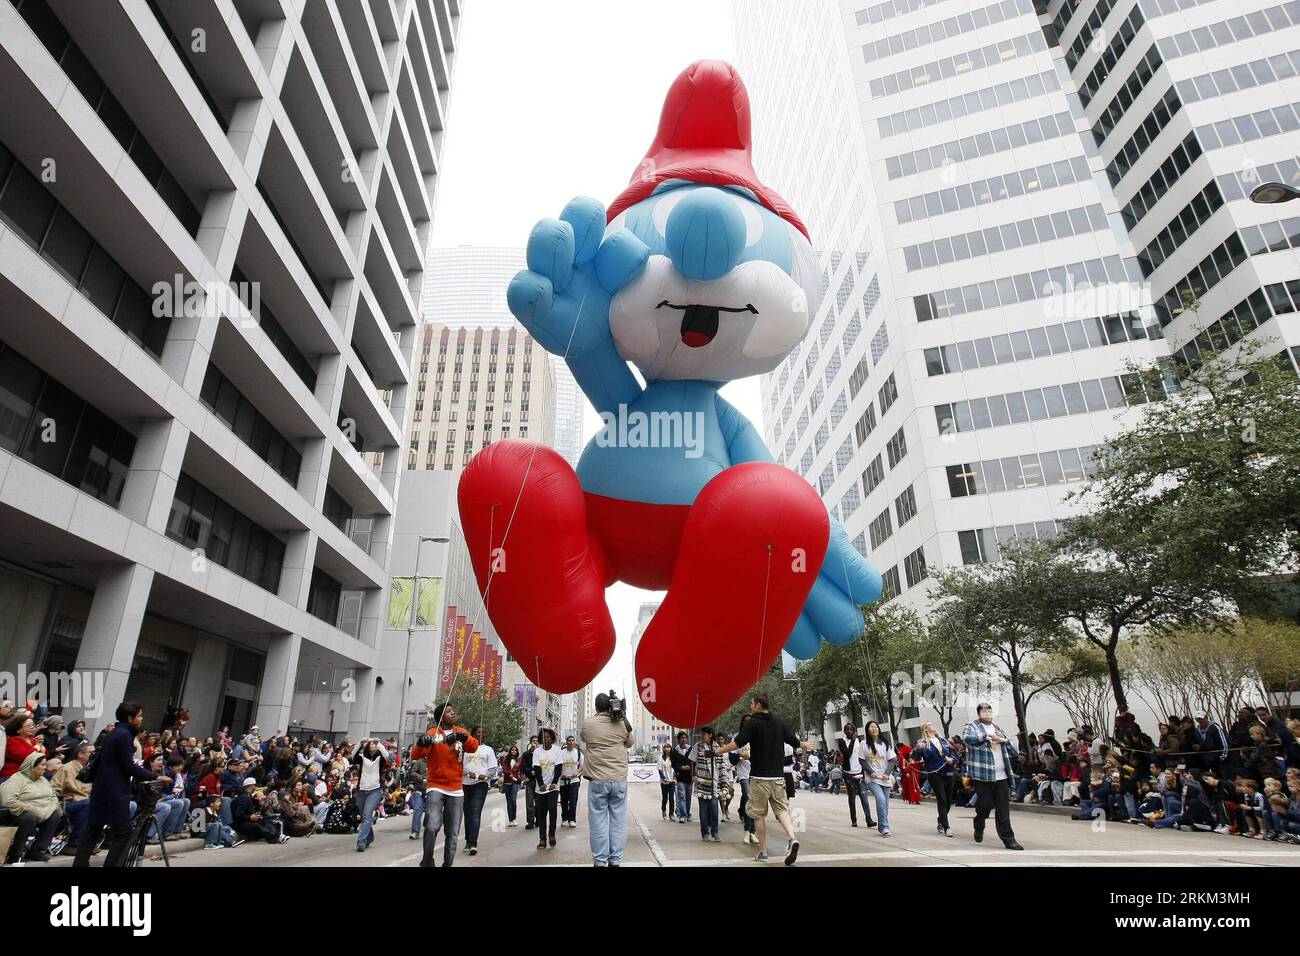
{"points": [[1050, 839]]}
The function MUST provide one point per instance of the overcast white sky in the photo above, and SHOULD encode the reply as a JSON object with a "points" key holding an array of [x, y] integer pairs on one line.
{"points": [[553, 99]]}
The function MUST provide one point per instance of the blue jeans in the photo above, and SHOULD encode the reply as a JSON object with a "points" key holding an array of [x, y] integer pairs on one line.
{"points": [[170, 815], [683, 801], [227, 818], [417, 812], [75, 811], [1088, 809], [368, 801], [512, 801], [708, 816], [881, 793], [475, 797], [607, 819], [320, 812], [744, 803]]}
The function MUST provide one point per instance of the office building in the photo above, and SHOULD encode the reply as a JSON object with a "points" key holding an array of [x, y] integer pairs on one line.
{"points": [[214, 219]]}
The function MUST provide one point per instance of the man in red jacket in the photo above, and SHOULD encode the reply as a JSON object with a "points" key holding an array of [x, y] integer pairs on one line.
{"points": [[443, 748]]}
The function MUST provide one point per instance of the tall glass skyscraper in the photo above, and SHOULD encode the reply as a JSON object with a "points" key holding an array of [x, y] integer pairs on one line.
{"points": [[989, 270]]}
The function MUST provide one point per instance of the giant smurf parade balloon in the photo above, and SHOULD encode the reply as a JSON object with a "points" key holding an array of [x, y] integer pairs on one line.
{"points": [[698, 275]]}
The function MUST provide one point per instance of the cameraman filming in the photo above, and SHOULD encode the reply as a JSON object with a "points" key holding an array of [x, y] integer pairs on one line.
{"points": [[606, 736], [110, 796]]}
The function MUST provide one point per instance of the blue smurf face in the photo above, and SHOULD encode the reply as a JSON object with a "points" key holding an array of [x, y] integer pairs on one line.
{"points": [[727, 292]]}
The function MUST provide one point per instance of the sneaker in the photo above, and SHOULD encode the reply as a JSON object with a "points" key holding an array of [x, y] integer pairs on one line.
{"points": [[717, 839], [284, 838], [239, 841], [514, 823], [761, 858], [1221, 828], [413, 836], [791, 851], [884, 833], [948, 832], [212, 846], [472, 851]]}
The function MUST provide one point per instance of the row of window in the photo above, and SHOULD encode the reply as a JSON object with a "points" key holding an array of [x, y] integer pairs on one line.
{"points": [[1242, 76], [925, 34], [976, 101], [44, 423], [68, 55], [1111, 55], [1208, 273], [1127, 93], [1090, 26], [1025, 287], [300, 364], [249, 425], [1039, 404], [887, 395], [873, 475], [981, 144], [201, 520], [1136, 145], [880, 529], [323, 596], [994, 189], [1034, 343], [1190, 218], [1243, 318], [1271, 236], [40, 220], [1162, 180], [1012, 235], [959, 65], [891, 8], [1018, 472], [1253, 24], [896, 448], [980, 545], [1252, 126], [905, 506], [914, 567]]}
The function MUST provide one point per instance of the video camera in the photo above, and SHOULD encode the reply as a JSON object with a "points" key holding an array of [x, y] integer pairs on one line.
{"points": [[617, 709]]}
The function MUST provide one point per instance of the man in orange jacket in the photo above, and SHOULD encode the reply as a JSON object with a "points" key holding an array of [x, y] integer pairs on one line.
{"points": [[443, 747]]}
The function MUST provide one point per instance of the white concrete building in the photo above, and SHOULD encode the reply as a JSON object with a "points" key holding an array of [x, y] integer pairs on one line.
{"points": [[988, 271], [214, 218]]}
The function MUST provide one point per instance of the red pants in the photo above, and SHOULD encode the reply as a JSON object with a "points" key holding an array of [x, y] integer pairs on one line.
{"points": [[737, 564]]}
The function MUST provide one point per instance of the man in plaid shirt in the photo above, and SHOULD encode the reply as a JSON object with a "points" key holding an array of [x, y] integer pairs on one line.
{"points": [[988, 764]]}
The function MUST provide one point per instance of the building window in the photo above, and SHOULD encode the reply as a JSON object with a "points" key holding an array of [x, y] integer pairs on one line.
{"points": [[896, 448], [914, 567], [201, 520], [46, 424], [250, 426]]}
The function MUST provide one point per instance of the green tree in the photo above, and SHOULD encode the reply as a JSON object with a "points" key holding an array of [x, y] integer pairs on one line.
{"points": [[503, 722], [781, 698], [1210, 473], [1077, 679], [1000, 612]]}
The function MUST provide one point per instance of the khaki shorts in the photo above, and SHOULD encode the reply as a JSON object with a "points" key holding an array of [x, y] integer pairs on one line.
{"points": [[764, 792]]}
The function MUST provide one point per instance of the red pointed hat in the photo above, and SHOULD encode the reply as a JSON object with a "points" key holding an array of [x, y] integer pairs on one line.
{"points": [[703, 137]]}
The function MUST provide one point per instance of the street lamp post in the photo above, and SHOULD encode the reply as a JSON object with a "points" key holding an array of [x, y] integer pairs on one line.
{"points": [[410, 635], [1270, 194]]}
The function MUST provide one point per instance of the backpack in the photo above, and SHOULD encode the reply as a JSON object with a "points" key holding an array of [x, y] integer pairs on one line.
{"points": [[88, 773]]}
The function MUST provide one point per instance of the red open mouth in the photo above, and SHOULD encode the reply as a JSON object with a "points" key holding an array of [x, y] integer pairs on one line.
{"points": [[700, 322]]}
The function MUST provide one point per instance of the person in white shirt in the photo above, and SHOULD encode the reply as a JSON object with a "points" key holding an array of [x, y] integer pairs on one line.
{"points": [[740, 763], [570, 782], [850, 746], [372, 760], [878, 764], [814, 773], [480, 768], [667, 785], [548, 762]]}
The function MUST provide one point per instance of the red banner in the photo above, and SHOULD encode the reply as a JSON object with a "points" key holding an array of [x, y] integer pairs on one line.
{"points": [[475, 657], [447, 663], [462, 625], [494, 675]]}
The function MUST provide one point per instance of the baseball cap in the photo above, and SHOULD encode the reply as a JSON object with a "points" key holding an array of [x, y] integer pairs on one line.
{"points": [[250, 782]]}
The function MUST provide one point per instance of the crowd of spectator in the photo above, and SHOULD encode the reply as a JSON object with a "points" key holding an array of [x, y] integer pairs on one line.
{"points": [[224, 789], [1193, 774]]}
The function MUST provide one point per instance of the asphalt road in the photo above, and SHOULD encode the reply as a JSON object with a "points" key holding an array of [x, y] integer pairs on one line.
{"points": [[826, 839]]}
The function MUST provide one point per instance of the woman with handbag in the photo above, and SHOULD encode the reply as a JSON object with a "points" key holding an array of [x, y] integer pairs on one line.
{"points": [[938, 764], [511, 779]]}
